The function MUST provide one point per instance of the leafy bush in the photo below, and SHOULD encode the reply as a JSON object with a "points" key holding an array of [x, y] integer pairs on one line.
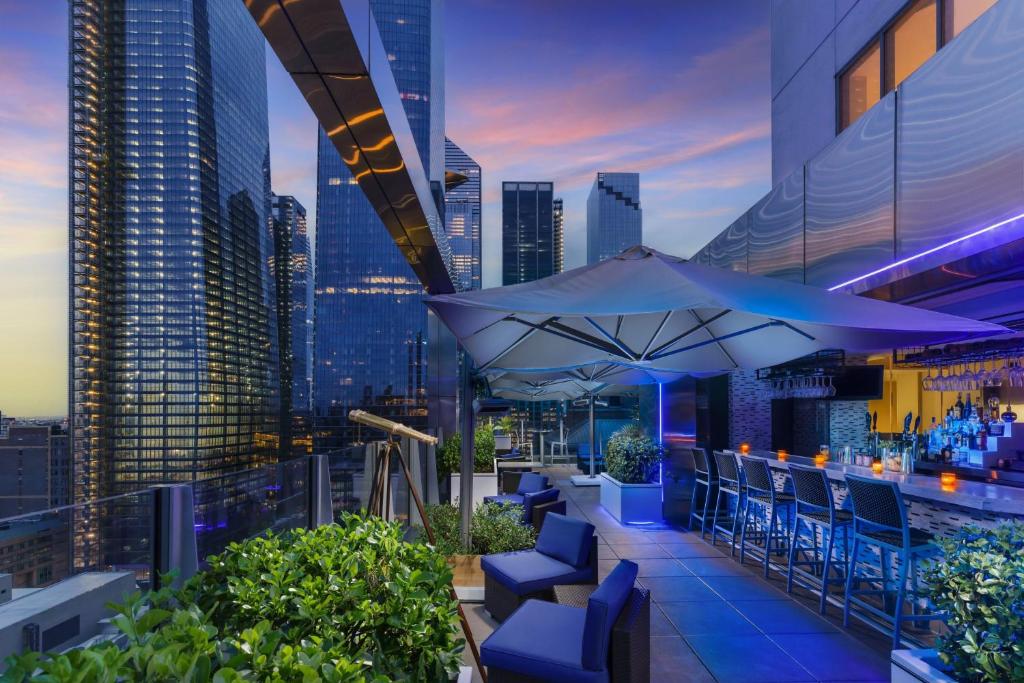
{"points": [[979, 584], [351, 603], [494, 528], [631, 457], [449, 456]]}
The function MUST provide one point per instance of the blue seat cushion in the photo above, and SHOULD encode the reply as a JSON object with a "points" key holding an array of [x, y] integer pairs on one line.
{"points": [[528, 571], [505, 498], [541, 639], [602, 611], [566, 539], [531, 482]]}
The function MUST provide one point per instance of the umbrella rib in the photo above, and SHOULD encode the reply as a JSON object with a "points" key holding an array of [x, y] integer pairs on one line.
{"points": [[656, 353], [718, 340], [566, 332], [621, 346], [657, 333], [511, 346]]}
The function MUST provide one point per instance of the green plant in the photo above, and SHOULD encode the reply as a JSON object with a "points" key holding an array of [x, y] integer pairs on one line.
{"points": [[494, 528], [631, 456], [449, 455], [507, 424], [979, 584]]}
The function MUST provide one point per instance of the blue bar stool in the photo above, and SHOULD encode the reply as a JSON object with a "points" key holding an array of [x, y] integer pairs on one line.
{"points": [[880, 520], [816, 510], [762, 508], [705, 488], [730, 488]]}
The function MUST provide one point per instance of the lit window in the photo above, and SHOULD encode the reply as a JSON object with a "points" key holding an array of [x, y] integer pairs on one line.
{"points": [[910, 42], [334, 181], [961, 13], [860, 86]]}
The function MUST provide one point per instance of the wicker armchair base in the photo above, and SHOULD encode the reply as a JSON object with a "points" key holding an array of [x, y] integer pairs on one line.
{"points": [[500, 602]]}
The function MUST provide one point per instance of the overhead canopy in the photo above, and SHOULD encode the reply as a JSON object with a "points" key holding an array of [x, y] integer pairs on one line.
{"points": [[646, 311], [559, 385]]}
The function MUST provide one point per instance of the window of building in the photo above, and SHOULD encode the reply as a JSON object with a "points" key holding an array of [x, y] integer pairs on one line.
{"points": [[860, 86], [960, 14], [910, 42]]}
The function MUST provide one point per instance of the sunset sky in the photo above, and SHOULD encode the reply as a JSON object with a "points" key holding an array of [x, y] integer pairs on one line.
{"points": [[677, 90]]}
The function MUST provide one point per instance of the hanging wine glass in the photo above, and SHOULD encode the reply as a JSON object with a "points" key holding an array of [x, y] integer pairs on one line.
{"points": [[926, 383]]}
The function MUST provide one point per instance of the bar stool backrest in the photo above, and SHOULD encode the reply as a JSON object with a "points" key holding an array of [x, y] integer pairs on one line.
{"points": [[728, 474], [702, 465], [759, 477], [877, 502], [811, 488]]}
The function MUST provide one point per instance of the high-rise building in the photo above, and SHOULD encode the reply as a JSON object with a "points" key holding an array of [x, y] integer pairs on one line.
{"points": [[294, 276], [614, 217], [371, 324], [558, 217], [462, 213], [527, 231], [26, 470], [173, 340]]}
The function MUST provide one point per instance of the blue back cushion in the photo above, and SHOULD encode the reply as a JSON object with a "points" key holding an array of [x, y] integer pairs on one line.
{"points": [[566, 539], [531, 499], [602, 611], [531, 482]]}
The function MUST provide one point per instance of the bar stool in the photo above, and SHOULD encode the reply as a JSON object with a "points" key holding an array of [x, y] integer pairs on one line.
{"points": [[706, 482], [880, 520], [815, 508], [730, 486], [763, 498]]}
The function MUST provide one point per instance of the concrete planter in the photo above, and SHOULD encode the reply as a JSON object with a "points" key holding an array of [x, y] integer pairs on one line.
{"points": [[465, 674], [484, 484], [630, 503], [917, 666]]}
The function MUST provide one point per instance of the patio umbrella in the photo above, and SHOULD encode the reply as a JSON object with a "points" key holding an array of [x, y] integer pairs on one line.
{"points": [[647, 311]]}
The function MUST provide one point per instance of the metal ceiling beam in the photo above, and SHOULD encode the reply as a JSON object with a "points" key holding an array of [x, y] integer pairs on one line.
{"points": [[333, 51]]}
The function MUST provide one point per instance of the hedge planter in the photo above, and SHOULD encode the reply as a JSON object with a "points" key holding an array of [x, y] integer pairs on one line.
{"points": [[466, 570], [484, 484], [917, 666], [630, 503]]}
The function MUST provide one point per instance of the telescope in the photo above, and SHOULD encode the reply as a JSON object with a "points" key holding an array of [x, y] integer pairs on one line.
{"points": [[390, 426]]}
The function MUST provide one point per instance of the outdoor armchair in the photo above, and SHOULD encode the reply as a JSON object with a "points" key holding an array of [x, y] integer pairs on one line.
{"points": [[565, 553], [529, 482]]}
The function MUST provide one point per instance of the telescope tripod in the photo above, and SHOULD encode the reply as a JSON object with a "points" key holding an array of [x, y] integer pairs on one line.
{"points": [[379, 504]]}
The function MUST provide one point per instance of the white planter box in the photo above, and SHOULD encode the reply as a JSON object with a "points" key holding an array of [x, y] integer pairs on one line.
{"points": [[484, 484], [631, 503], [917, 666]]}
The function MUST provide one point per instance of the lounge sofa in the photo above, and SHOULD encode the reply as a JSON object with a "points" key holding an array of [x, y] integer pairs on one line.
{"points": [[565, 553]]}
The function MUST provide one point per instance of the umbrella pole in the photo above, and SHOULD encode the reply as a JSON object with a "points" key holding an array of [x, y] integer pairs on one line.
{"points": [[466, 461], [592, 436]]}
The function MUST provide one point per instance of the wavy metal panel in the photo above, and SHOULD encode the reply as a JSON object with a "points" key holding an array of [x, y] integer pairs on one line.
{"points": [[849, 199], [729, 249], [776, 231], [961, 138]]}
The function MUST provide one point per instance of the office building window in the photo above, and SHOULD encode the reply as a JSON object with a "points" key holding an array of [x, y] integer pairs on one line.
{"points": [[960, 14], [860, 86], [910, 42]]}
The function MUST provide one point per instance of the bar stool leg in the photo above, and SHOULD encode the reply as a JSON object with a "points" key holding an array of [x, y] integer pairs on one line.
{"points": [[693, 503], [743, 530], [793, 544], [900, 594], [707, 509], [736, 520], [850, 575], [825, 567], [769, 538]]}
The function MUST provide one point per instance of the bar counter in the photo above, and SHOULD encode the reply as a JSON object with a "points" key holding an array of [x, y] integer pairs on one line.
{"points": [[946, 508]]}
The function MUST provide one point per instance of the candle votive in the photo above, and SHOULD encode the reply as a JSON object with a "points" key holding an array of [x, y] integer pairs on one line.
{"points": [[877, 467], [948, 480], [744, 448], [820, 459], [783, 456]]}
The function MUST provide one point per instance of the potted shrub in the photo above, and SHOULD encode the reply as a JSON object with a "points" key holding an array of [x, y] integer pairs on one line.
{"points": [[631, 462], [979, 585], [485, 478]]}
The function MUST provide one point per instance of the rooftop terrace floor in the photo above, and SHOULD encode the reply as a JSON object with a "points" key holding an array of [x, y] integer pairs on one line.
{"points": [[713, 619]]}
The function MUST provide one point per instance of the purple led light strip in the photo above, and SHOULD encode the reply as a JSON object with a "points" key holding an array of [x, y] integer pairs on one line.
{"points": [[927, 252]]}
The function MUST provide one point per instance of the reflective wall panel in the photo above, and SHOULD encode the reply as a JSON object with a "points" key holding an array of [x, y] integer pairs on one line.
{"points": [[729, 249], [776, 231], [961, 136], [849, 200]]}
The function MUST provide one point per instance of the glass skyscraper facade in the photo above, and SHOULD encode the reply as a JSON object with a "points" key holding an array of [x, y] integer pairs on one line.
{"points": [[173, 339], [527, 232], [558, 218], [462, 215], [614, 217], [371, 324]]}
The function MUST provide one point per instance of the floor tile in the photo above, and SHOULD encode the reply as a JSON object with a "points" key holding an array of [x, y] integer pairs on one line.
{"points": [[661, 567], [744, 588], [675, 536], [835, 657], [677, 588], [604, 567], [783, 616], [746, 659], [660, 625], [614, 537], [673, 660], [686, 550], [638, 551], [714, 566], [706, 618], [605, 552]]}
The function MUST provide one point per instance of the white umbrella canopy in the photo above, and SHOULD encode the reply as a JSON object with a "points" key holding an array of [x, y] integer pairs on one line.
{"points": [[650, 312], [606, 379]]}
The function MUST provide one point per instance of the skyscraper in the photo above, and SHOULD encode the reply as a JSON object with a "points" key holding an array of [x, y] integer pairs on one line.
{"points": [[371, 325], [294, 276], [527, 231], [614, 217], [462, 213], [173, 340], [558, 217]]}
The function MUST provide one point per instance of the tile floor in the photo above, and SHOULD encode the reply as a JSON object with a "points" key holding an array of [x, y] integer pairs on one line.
{"points": [[715, 620]]}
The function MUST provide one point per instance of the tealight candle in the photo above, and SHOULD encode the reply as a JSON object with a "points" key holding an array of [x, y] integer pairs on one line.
{"points": [[877, 467], [783, 456], [744, 448], [820, 459], [948, 479]]}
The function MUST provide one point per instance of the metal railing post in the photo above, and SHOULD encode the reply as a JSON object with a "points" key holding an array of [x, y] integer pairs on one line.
{"points": [[174, 534], [318, 490]]}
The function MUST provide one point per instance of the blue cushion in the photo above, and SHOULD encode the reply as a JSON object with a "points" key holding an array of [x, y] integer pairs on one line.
{"points": [[531, 499], [531, 482], [505, 498], [542, 640], [566, 539], [528, 571], [602, 611]]}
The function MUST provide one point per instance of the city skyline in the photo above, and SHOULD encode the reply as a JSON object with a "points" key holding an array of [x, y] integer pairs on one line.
{"points": [[712, 131]]}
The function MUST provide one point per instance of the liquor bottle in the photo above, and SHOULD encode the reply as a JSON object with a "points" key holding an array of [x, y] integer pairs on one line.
{"points": [[958, 407], [967, 409]]}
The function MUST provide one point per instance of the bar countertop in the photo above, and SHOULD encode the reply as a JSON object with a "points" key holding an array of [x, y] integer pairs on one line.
{"points": [[973, 495]]}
